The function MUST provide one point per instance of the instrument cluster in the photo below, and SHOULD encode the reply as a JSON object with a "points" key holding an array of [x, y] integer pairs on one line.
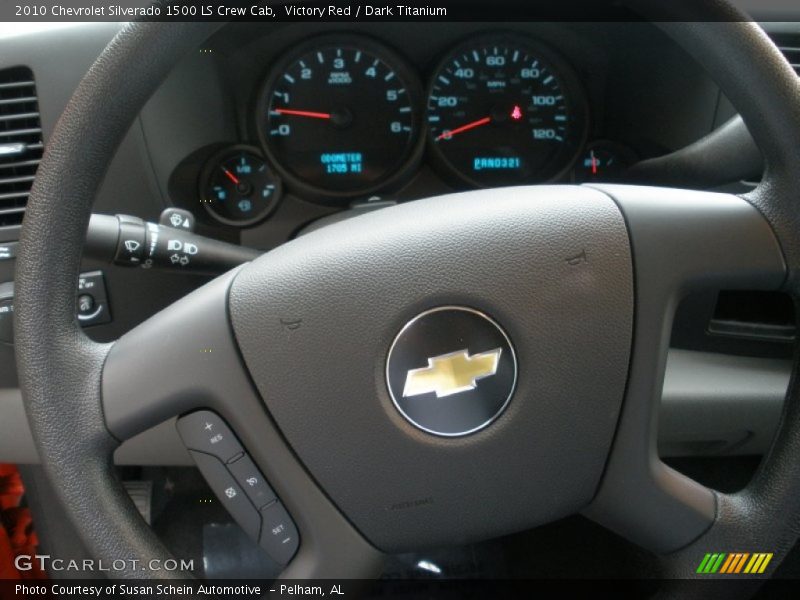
{"points": [[343, 117]]}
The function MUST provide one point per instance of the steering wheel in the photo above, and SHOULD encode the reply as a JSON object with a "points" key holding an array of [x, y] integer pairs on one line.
{"points": [[558, 297]]}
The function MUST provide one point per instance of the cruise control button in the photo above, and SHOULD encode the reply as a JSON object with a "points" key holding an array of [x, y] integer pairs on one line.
{"points": [[206, 432], [229, 493], [252, 481], [279, 537]]}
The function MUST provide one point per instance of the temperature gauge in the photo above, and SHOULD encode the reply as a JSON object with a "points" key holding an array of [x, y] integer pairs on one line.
{"points": [[238, 188], [603, 161]]}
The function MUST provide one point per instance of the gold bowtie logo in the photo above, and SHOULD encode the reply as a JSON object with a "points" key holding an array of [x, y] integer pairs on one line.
{"points": [[452, 373]]}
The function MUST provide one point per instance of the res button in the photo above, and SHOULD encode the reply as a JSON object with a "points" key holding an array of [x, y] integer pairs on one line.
{"points": [[205, 432]]}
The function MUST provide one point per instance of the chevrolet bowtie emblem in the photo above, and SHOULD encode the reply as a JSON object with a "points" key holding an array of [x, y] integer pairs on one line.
{"points": [[452, 373]]}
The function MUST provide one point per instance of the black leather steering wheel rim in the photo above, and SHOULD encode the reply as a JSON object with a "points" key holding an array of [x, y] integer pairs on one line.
{"points": [[60, 369]]}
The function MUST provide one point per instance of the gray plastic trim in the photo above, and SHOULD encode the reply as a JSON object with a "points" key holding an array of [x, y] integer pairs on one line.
{"points": [[707, 397], [683, 241], [718, 405]]}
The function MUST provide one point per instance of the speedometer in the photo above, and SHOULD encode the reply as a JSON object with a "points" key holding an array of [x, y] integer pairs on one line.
{"points": [[341, 117], [503, 110]]}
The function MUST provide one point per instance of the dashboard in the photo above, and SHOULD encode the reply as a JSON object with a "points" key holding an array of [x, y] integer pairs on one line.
{"points": [[341, 116], [328, 117]]}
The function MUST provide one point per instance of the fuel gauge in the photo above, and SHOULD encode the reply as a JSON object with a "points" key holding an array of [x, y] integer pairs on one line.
{"points": [[238, 188], [603, 161]]}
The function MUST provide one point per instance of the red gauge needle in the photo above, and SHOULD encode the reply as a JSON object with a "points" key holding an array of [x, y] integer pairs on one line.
{"points": [[448, 134], [594, 164], [303, 113], [231, 176]]}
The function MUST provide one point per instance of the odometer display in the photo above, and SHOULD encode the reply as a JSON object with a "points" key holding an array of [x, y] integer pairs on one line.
{"points": [[504, 111], [340, 117]]}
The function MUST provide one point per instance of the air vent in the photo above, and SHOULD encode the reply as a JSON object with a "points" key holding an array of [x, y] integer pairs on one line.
{"points": [[792, 53], [789, 44], [20, 142]]}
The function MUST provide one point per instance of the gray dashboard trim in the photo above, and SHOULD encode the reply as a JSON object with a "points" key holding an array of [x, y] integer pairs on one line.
{"points": [[715, 404], [712, 404]]}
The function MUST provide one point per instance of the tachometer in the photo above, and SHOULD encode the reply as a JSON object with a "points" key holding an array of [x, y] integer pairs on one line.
{"points": [[341, 117], [503, 110]]}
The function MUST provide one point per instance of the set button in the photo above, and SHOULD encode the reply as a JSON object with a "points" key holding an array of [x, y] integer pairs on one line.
{"points": [[278, 533]]}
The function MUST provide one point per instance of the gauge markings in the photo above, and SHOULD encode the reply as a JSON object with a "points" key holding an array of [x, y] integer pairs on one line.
{"points": [[238, 188], [348, 124], [498, 112]]}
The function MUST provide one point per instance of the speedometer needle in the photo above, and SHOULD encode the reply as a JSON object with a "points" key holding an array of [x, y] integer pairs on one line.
{"points": [[303, 113], [446, 135]]}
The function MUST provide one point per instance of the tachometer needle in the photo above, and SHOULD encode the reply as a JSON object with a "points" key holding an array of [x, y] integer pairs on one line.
{"points": [[446, 135], [230, 176], [302, 113]]}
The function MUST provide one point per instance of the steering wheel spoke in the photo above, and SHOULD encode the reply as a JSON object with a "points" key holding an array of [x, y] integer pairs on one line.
{"points": [[682, 242], [181, 359], [184, 361]]}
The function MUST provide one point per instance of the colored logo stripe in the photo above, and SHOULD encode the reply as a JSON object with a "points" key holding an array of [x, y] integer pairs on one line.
{"points": [[735, 563], [711, 563]]}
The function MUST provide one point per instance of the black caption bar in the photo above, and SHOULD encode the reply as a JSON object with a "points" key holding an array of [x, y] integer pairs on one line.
{"points": [[353, 10], [386, 589]]}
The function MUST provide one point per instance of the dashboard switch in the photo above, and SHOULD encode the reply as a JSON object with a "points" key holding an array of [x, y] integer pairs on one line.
{"points": [[205, 432], [177, 218], [129, 241], [252, 481], [85, 304], [229, 492], [93, 305], [131, 245], [279, 537]]}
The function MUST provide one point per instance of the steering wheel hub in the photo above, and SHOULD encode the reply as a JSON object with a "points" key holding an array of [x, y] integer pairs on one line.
{"points": [[359, 403]]}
